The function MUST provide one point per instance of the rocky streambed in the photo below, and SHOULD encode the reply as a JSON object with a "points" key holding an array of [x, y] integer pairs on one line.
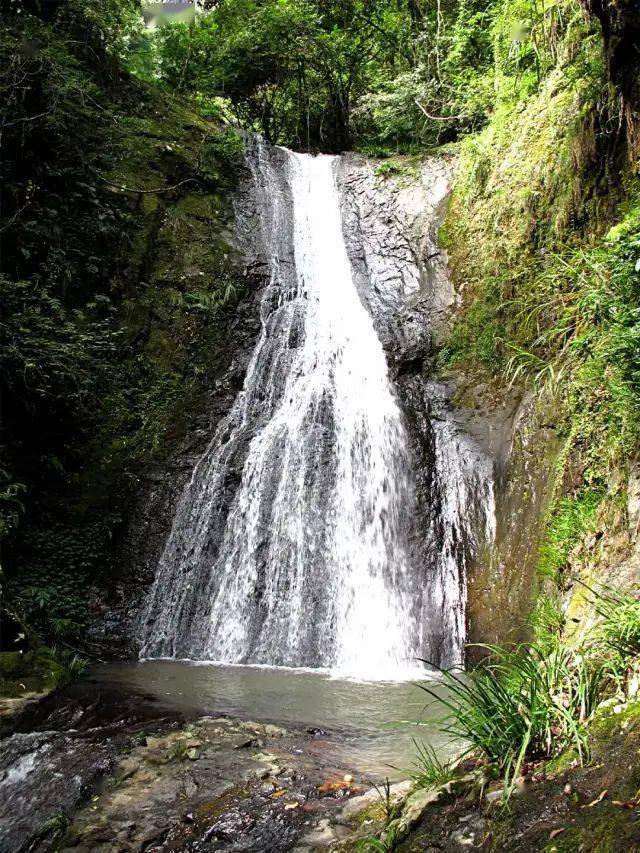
{"points": [[143, 757], [138, 781]]}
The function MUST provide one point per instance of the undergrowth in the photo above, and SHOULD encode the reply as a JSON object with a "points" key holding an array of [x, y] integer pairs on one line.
{"points": [[428, 768], [619, 628], [66, 665], [543, 236], [533, 701], [572, 516], [116, 281], [523, 702]]}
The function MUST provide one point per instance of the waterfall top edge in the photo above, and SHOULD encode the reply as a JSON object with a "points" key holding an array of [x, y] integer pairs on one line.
{"points": [[303, 154], [262, 142]]}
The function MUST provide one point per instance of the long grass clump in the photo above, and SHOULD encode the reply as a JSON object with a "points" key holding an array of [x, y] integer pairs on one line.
{"points": [[619, 626], [523, 702], [533, 701], [428, 770]]}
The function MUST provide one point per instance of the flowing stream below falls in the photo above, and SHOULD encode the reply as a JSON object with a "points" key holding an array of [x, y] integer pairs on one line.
{"points": [[370, 726], [168, 755]]}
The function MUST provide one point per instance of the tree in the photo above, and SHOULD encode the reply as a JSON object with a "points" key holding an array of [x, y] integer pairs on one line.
{"points": [[291, 69]]}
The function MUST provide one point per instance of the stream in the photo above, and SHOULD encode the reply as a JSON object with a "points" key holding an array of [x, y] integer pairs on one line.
{"points": [[174, 755], [371, 726]]}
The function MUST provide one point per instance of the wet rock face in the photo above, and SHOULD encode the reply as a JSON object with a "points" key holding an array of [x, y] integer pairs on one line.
{"points": [[218, 784], [115, 611], [44, 775], [391, 229], [517, 431], [316, 542], [484, 454]]}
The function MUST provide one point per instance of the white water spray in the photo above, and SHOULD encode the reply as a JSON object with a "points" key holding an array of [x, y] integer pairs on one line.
{"points": [[313, 562]]}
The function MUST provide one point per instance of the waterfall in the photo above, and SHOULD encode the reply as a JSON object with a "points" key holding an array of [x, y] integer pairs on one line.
{"points": [[294, 543]]}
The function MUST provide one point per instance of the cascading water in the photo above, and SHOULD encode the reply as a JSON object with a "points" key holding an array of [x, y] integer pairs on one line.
{"points": [[295, 542]]}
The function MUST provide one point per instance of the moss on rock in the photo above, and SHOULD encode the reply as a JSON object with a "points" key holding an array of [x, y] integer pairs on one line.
{"points": [[126, 244], [546, 285]]}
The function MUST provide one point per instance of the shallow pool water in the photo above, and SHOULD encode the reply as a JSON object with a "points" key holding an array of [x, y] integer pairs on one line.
{"points": [[371, 725]]}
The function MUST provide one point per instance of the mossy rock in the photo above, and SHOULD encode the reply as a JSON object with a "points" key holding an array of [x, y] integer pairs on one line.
{"points": [[15, 663], [201, 206]]}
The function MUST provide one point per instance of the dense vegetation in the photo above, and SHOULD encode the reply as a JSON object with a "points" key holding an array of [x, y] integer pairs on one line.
{"points": [[543, 232], [381, 75], [118, 148], [107, 331]]}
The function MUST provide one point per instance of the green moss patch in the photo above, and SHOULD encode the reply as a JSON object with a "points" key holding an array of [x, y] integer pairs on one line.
{"points": [[117, 281], [544, 252]]}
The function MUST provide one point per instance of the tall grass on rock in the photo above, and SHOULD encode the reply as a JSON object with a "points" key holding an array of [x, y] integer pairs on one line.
{"points": [[428, 769], [523, 702], [619, 626]]}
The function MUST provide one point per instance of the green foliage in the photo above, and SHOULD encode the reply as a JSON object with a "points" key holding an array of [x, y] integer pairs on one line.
{"points": [[527, 701], [569, 519], [547, 622], [99, 365], [619, 626], [477, 338], [444, 86], [225, 147], [384, 792], [550, 295], [11, 505], [429, 771], [57, 564], [377, 74], [180, 751], [288, 68], [55, 827], [390, 836], [387, 843], [50, 352], [65, 664], [389, 167], [533, 701]]}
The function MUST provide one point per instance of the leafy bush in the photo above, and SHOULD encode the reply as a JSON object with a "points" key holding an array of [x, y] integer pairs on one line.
{"points": [[55, 828], [381, 74], [547, 622], [290, 69], [388, 168], [533, 701], [66, 665]]}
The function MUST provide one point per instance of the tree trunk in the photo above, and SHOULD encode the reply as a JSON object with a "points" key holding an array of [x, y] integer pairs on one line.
{"points": [[620, 23]]}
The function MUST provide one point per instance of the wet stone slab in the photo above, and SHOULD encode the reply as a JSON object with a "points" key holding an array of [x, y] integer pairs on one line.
{"points": [[43, 776], [216, 784], [89, 777]]}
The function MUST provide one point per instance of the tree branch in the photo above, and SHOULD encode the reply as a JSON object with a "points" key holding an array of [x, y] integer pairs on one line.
{"points": [[139, 191], [435, 118]]}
